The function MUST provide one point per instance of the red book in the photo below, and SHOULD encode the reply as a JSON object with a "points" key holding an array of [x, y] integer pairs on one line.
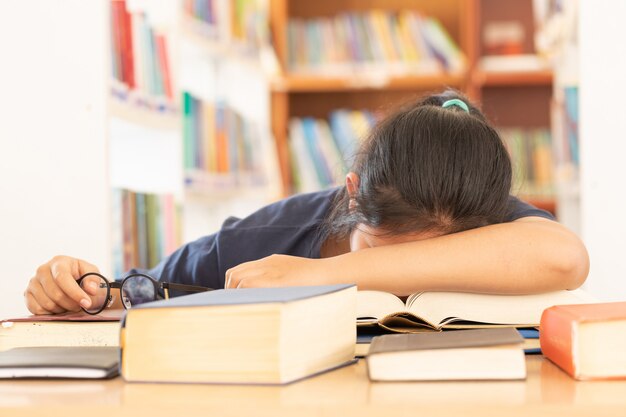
{"points": [[127, 47], [588, 341], [162, 56], [116, 43]]}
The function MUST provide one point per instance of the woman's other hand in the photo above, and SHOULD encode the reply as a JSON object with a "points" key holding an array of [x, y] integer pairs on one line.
{"points": [[279, 271]]}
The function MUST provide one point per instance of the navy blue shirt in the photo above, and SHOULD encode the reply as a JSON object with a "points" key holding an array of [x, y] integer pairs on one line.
{"points": [[288, 227]]}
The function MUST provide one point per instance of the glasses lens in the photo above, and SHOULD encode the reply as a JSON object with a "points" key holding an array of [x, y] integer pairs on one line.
{"points": [[96, 288], [138, 289]]}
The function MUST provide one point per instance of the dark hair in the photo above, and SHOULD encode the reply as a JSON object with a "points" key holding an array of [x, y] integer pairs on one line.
{"points": [[426, 168]]}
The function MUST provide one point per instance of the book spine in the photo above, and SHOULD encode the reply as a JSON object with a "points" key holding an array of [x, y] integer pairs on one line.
{"points": [[556, 337], [164, 64], [187, 130]]}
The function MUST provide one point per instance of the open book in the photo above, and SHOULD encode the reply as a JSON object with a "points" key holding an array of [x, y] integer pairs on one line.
{"points": [[427, 311]]}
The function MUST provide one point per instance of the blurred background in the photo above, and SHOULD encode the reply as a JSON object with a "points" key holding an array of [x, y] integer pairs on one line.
{"points": [[130, 127]]}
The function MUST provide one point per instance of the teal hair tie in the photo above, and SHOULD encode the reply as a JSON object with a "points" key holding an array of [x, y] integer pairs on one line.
{"points": [[456, 102]]}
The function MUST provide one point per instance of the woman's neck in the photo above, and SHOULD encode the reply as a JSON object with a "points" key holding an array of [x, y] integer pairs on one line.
{"points": [[333, 246]]}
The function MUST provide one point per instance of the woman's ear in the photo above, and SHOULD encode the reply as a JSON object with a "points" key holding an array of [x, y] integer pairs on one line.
{"points": [[352, 184]]}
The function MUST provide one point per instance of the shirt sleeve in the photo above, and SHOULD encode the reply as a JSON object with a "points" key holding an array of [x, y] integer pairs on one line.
{"points": [[519, 209], [195, 263]]}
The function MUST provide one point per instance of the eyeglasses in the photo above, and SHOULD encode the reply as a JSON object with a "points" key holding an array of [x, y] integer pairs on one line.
{"points": [[135, 289]]}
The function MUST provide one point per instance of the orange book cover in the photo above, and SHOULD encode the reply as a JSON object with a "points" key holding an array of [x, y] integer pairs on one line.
{"points": [[560, 331]]}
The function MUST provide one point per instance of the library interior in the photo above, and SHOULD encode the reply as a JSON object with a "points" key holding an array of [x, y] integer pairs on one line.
{"points": [[295, 191]]}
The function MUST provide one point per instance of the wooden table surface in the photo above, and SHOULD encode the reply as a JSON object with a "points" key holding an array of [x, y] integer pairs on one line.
{"points": [[344, 392]]}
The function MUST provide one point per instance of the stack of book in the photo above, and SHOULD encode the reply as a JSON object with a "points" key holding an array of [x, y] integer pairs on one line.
{"points": [[397, 43], [280, 335], [145, 229]]}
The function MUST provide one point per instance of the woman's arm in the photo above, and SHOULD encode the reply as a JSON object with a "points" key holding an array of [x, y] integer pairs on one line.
{"points": [[528, 255]]}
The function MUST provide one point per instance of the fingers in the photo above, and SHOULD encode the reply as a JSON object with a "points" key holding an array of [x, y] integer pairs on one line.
{"points": [[91, 285], [38, 301], [54, 289], [235, 275], [228, 282], [64, 274]]}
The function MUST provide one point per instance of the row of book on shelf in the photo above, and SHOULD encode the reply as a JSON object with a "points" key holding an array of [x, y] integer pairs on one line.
{"points": [[286, 334], [322, 152], [398, 42], [219, 141], [245, 21], [564, 113], [145, 229], [140, 55], [531, 155]]}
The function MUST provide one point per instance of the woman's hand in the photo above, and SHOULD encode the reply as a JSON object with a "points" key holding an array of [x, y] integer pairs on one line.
{"points": [[279, 271], [53, 289]]}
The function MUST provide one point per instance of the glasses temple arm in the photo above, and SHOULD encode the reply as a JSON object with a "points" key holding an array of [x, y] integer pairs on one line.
{"points": [[184, 287]]}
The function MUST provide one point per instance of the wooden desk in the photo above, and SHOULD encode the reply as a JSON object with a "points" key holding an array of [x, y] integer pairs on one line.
{"points": [[345, 392]]}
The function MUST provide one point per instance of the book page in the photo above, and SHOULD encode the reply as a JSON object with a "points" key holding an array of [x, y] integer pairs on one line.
{"points": [[374, 305], [526, 310]]}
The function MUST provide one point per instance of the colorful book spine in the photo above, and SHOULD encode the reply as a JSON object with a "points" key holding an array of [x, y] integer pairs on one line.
{"points": [[146, 229], [409, 41], [250, 22], [532, 159], [218, 140], [140, 57], [322, 151]]}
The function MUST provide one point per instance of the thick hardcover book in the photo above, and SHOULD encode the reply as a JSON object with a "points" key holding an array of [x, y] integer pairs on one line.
{"points": [[586, 341], [257, 336], [60, 362], [477, 354]]}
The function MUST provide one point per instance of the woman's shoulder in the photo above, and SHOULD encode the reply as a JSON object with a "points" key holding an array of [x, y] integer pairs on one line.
{"points": [[518, 209], [300, 210]]}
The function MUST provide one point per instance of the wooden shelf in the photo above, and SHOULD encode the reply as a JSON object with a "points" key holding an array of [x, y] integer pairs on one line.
{"points": [[215, 187], [310, 83], [512, 78]]}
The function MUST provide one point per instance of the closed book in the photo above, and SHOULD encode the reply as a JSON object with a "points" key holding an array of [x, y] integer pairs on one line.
{"points": [[244, 336], [68, 329], [93, 362], [480, 354], [365, 336], [586, 341]]}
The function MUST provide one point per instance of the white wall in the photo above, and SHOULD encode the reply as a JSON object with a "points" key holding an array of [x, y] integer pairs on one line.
{"points": [[603, 144], [53, 191]]}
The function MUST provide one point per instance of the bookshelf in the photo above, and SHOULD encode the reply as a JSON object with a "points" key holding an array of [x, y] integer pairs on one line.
{"points": [[514, 83], [143, 135], [226, 67], [515, 95], [298, 94]]}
